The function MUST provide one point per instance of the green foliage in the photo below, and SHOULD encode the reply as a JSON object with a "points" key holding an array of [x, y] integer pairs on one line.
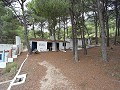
{"points": [[46, 35], [8, 26], [50, 8], [20, 33]]}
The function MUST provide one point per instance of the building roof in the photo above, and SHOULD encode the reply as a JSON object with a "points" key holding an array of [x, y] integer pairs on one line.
{"points": [[48, 40]]}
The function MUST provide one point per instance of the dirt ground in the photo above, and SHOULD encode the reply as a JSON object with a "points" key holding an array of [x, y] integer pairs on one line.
{"points": [[9, 76], [18, 61], [57, 71]]}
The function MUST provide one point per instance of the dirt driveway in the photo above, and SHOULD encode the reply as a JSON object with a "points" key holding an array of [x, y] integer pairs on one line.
{"points": [[57, 71]]}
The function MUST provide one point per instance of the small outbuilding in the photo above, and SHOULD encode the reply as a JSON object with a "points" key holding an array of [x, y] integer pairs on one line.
{"points": [[48, 45]]}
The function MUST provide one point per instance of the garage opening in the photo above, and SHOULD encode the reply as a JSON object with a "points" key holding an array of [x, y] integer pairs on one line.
{"points": [[34, 45], [49, 46], [57, 44], [0, 57]]}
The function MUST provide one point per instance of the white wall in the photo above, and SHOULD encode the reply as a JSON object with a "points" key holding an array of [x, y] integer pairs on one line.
{"points": [[5, 47], [18, 40], [67, 45], [79, 43], [53, 46], [19, 45], [61, 47], [42, 46], [71, 44], [6, 56]]}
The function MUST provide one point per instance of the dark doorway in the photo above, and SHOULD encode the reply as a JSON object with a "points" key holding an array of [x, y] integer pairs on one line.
{"points": [[49, 46], [57, 44], [0, 57], [34, 45]]}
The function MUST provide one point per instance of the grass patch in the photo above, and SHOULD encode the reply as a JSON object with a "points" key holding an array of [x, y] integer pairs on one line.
{"points": [[11, 69]]}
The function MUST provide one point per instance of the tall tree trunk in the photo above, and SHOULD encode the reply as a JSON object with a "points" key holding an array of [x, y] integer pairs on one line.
{"points": [[96, 27], [116, 12], [25, 27], [84, 40], [67, 28], [107, 27], [107, 19], [76, 48], [54, 23], [59, 30], [53, 33], [34, 30], [119, 26], [41, 30], [50, 27], [83, 29], [64, 34], [74, 35], [103, 47]]}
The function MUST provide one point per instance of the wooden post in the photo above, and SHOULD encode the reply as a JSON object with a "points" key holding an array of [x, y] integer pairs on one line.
{"points": [[10, 53]]}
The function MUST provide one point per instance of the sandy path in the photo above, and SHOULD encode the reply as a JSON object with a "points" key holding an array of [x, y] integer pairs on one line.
{"points": [[54, 79]]}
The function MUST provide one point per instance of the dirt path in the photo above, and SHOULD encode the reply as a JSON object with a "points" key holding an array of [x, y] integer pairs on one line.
{"points": [[4, 86], [54, 79], [57, 71]]}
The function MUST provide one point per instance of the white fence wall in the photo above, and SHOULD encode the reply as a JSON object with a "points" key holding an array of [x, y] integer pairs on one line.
{"points": [[5, 47]]}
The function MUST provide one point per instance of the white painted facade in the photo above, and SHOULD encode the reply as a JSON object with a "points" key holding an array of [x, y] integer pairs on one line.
{"points": [[61, 46], [18, 47], [41, 46], [79, 41], [6, 56], [5, 47]]}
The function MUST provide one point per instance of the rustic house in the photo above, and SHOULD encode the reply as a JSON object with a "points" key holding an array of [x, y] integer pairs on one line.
{"points": [[48, 45]]}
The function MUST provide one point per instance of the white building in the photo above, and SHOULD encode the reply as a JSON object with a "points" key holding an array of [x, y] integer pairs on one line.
{"points": [[10, 51], [79, 42], [48, 45], [16, 48]]}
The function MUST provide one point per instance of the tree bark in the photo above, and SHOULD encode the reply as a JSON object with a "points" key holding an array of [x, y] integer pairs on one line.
{"points": [[103, 46], [34, 30], [64, 34], [41, 30], [83, 29], [107, 27], [116, 12], [74, 33], [25, 27], [96, 27], [59, 30]]}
